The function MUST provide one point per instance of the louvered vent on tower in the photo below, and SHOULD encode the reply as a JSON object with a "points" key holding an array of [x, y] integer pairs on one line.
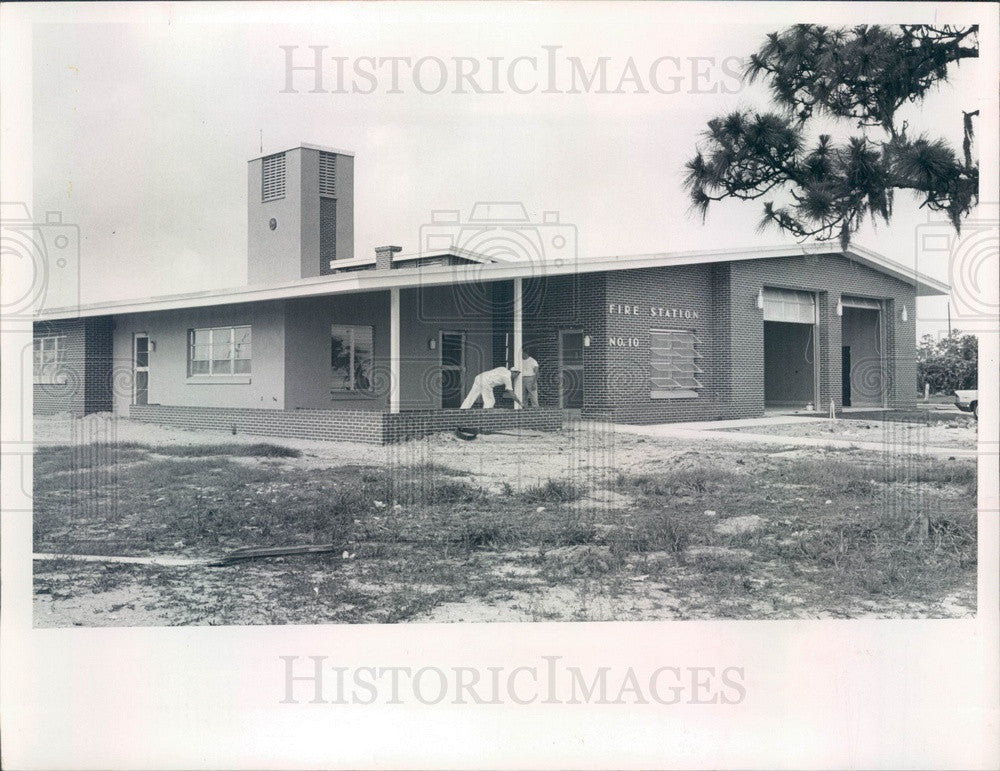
{"points": [[273, 177], [328, 175]]}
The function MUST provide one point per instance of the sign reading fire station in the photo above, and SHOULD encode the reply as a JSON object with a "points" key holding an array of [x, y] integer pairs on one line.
{"points": [[618, 309], [642, 311]]}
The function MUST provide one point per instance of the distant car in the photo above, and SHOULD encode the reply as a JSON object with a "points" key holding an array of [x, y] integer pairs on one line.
{"points": [[968, 401]]}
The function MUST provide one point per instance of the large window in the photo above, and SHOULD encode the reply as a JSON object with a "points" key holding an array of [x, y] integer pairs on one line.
{"points": [[49, 356], [219, 351], [673, 361], [351, 358]]}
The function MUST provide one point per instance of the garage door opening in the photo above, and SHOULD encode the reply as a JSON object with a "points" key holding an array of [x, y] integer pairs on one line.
{"points": [[863, 380], [789, 348]]}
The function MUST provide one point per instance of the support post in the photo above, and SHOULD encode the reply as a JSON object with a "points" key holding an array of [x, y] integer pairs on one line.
{"points": [[518, 339], [394, 350]]}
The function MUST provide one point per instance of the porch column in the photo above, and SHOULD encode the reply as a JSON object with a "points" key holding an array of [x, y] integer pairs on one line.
{"points": [[518, 340], [394, 349]]}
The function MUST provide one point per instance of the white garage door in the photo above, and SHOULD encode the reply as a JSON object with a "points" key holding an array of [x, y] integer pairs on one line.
{"points": [[789, 305], [861, 302]]}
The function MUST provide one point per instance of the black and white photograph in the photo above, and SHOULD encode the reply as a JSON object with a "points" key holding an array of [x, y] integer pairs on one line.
{"points": [[425, 359]]}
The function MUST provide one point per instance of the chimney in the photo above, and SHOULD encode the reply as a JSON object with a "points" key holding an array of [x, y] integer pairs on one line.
{"points": [[300, 213], [383, 256]]}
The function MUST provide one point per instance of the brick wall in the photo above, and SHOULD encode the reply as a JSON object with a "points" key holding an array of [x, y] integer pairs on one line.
{"points": [[729, 326], [688, 290], [345, 425], [85, 376], [566, 303], [829, 276], [333, 425], [98, 367]]}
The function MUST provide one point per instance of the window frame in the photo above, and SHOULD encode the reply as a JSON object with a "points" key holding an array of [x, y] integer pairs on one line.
{"points": [[352, 389], [686, 367], [48, 373], [233, 344]]}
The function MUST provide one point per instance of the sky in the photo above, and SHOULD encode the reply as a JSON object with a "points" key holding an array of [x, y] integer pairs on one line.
{"points": [[143, 124]]}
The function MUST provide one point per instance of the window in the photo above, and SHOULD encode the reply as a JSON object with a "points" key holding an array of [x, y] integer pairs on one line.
{"points": [[673, 364], [351, 358], [49, 356], [273, 177], [219, 351]]}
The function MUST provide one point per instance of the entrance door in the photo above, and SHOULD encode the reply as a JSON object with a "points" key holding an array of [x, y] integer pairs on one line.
{"points": [[845, 375], [791, 361], [571, 369], [862, 333], [140, 369], [452, 369]]}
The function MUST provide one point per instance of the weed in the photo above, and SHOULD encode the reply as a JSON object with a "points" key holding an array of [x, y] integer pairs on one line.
{"points": [[685, 481], [552, 491]]}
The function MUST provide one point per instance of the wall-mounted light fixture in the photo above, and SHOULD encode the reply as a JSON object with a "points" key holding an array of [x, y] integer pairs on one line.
{"points": [[760, 299], [586, 341], [840, 306], [152, 346], [432, 343], [904, 315]]}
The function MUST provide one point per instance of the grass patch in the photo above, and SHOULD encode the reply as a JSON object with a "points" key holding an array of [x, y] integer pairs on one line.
{"points": [[55, 459], [258, 450], [84, 458]]}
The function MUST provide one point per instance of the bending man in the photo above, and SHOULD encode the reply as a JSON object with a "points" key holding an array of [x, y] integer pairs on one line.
{"points": [[485, 382]]}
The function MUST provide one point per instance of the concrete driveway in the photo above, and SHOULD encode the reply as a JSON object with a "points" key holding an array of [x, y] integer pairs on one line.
{"points": [[896, 441]]}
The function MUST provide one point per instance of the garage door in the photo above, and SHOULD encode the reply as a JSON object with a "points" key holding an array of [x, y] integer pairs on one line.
{"points": [[860, 302], [789, 305]]}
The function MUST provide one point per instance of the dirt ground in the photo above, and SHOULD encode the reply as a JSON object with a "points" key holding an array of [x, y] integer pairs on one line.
{"points": [[589, 454], [763, 536], [960, 432]]}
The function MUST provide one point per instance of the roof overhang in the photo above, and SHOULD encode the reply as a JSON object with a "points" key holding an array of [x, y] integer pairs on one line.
{"points": [[467, 272]]}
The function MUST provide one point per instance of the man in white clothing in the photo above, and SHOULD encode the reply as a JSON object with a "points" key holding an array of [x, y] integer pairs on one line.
{"points": [[484, 384], [529, 378]]}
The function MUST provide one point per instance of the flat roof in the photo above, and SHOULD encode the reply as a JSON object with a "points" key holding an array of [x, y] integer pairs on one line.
{"points": [[442, 275], [306, 146]]}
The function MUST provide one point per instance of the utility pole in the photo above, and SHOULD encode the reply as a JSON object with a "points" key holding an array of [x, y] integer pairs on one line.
{"points": [[949, 319]]}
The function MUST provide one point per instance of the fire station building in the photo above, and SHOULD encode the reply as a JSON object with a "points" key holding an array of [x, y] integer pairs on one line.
{"points": [[325, 344]]}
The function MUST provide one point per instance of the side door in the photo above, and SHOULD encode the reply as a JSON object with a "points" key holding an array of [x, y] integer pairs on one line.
{"points": [[452, 347], [571, 369]]}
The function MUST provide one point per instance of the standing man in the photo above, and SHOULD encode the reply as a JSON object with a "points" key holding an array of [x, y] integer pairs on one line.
{"points": [[484, 384], [529, 378]]}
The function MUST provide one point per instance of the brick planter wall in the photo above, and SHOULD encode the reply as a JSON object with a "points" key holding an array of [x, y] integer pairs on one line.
{"points": [[412, 425], [345, 425]]}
